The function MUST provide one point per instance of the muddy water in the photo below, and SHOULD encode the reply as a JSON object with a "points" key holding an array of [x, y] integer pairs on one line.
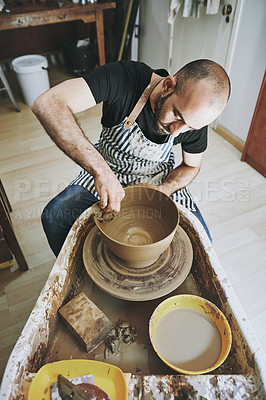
{"points": [[139, 226], [137, 357], [188, 339]]}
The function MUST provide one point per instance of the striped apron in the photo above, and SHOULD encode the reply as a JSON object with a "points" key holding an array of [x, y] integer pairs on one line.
{"points": [[134, 158]]}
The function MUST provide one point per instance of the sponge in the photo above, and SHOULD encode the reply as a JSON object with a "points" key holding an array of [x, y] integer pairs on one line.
{"points": [[86, 321]]}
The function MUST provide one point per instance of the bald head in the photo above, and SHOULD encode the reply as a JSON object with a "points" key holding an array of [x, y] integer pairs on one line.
{"points": [[210, 72]]}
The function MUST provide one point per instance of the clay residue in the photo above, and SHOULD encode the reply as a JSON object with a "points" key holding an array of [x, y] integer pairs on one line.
{"points": [[211, 289], [210, 286], [183, 390], [124, 332], [37, 360]]}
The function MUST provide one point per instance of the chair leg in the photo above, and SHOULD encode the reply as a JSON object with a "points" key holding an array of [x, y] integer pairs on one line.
{"points": [[4, 197], [8, 89], [11, 238]]}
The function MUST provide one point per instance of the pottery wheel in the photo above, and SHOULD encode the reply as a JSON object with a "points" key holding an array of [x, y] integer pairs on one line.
{"points": [[137, 284]]}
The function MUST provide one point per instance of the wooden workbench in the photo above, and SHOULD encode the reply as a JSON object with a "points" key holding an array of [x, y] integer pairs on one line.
{"points": [[36, 14]]}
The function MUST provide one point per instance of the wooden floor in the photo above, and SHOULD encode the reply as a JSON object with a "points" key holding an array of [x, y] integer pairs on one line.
{"points": [[231, 196]]}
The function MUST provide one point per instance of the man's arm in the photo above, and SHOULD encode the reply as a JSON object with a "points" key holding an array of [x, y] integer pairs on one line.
{"points": [[55, 110], [182, 175]]}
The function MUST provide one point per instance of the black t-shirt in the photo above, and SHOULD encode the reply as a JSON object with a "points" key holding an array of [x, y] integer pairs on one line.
{"points": [[119, 86]]}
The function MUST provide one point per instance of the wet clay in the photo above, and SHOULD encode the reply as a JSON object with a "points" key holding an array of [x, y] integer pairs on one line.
{"points": [[188, 339]]}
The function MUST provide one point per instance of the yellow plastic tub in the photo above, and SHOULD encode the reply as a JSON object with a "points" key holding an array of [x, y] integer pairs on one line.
{"points": [[202, 306]]}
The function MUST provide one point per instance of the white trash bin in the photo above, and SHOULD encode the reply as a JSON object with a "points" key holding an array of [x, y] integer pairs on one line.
{"points": [[32, 74]]}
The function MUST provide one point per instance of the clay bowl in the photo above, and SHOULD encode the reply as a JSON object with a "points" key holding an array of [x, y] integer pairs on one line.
{"points": [[144, 227], [190, 334]]}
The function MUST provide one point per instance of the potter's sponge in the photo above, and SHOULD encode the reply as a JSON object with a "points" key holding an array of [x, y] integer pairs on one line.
{"points": [[86, 321]]}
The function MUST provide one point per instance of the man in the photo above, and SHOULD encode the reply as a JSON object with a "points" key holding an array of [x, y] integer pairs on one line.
{"points": [[145, 112]]}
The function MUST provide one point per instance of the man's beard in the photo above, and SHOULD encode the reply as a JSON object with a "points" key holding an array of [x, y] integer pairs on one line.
{"points": [[159, 102]]}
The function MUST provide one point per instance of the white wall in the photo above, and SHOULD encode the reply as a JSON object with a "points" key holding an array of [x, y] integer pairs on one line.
{"points": [[206, 37], [210, 37], [154, 31], [246, 66]]}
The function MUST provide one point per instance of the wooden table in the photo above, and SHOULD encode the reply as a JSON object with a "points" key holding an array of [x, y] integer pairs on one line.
{"points": [[36, 14]]}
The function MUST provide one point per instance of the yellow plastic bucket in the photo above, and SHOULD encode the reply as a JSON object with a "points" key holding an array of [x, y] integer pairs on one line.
{"points": [[202, 306]]}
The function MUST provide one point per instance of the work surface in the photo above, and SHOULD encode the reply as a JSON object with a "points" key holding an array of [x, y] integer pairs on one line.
{"points": [[36, 14], [33, 14]]}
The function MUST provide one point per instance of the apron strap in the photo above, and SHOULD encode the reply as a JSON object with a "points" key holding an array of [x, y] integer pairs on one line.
{"points": [[141, 103]]}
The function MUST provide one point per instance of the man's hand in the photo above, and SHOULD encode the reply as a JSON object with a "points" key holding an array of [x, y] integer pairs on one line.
{"points": [[183, 174], [180, 176], [110, 191]]}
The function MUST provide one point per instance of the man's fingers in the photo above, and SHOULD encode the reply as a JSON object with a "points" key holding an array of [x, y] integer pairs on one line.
{"points": [[111, 203], [115, 202], [113, 206], [111, 193], [103, 201]]}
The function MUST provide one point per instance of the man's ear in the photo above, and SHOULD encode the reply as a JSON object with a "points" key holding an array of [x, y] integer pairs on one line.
{"points": [[169, 84]]}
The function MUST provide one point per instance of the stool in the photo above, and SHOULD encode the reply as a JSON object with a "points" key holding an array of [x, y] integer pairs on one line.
{"points": [[8, 89], [8, 230]]}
